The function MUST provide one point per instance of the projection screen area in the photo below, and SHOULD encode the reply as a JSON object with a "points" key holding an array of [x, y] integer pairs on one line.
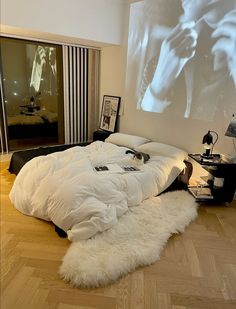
{"points": [[182, 57]]}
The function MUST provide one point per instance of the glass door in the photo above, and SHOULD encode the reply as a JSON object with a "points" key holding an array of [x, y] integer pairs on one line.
{"points": [[32, 91]]}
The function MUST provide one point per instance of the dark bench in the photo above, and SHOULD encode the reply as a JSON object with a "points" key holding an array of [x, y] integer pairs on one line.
{"points": [[19, 158]]}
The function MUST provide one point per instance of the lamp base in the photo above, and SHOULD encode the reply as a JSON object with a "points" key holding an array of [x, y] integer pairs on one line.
{"points": [[204, 156]]}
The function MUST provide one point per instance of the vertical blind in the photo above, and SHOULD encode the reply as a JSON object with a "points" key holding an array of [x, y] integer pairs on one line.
{"points": [[75, 74]]}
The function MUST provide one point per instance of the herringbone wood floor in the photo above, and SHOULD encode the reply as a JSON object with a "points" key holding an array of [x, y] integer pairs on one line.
{"points": [[197, 268]]}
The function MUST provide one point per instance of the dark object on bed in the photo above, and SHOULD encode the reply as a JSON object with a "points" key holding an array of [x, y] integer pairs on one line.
{"points": [[19, 158], [182, 181], [186, 174]]}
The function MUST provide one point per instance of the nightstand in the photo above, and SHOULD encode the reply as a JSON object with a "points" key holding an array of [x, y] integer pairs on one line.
{"points": [[222, 183], [100, 135]]}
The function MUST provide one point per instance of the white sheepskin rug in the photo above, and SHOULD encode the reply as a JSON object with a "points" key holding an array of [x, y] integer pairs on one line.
{"points": [[136, 240]]}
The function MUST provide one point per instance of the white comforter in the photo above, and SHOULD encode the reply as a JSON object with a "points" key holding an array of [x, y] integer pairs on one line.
{"points": [[63, 187]]}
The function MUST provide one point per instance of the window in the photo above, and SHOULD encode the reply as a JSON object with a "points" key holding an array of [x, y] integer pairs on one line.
{"points": [[32, 83]]}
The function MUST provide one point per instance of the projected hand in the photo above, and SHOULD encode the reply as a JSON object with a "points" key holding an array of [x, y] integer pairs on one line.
{"points": [[41, 56], [52, 56], [224, 50], [176, 50]]}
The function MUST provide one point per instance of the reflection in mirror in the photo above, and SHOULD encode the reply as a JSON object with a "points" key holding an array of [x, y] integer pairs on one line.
{"points": [[33, 95]]}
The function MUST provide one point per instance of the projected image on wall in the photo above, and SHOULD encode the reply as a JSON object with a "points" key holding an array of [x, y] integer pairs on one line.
{"points": [[182, 54]]}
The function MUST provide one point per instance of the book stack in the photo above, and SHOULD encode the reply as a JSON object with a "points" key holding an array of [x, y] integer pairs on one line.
{"points": [[201, 193]]}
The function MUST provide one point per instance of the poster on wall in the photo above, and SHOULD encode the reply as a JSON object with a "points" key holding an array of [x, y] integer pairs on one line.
{"points": [[109, 113], [182, 57]]}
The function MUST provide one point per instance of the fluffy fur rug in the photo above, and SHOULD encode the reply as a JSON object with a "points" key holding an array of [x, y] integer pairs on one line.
{"points": [[136, 240]]}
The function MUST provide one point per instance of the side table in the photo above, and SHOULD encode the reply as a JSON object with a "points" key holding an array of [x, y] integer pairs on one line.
{"points": [[222, 186]]}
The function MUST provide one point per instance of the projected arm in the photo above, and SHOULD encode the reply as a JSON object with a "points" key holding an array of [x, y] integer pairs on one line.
{"points": [[175, 52], [37, 69], [224, 50]]}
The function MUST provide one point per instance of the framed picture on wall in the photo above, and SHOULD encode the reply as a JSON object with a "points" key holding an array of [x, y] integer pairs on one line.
{"points": [[109, 113]]}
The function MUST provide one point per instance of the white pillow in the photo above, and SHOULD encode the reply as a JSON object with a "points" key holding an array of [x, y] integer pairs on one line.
{"points": [[159, 149], [126, 140]]}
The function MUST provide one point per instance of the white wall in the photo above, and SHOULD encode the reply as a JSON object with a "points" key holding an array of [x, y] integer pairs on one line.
{"points": [[113, 67], [112, 74], [97, 20], [181, 132]]}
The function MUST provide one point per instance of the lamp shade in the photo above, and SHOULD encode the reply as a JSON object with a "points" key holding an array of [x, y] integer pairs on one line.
{"points": [[207, 138], [209, 144], [231, 130]]}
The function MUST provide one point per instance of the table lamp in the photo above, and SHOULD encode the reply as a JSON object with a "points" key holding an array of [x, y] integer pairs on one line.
{"points": [[231, 130], [208, 143]]}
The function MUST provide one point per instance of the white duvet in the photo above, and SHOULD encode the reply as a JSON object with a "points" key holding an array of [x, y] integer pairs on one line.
{"points": [[63, 187]]}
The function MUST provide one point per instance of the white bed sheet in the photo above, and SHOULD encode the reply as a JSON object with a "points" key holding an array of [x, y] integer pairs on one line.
{"points": [[63, 187]]}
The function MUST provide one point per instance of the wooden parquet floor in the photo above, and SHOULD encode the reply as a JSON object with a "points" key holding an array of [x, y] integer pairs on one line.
{"points": [[197, 269]]}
